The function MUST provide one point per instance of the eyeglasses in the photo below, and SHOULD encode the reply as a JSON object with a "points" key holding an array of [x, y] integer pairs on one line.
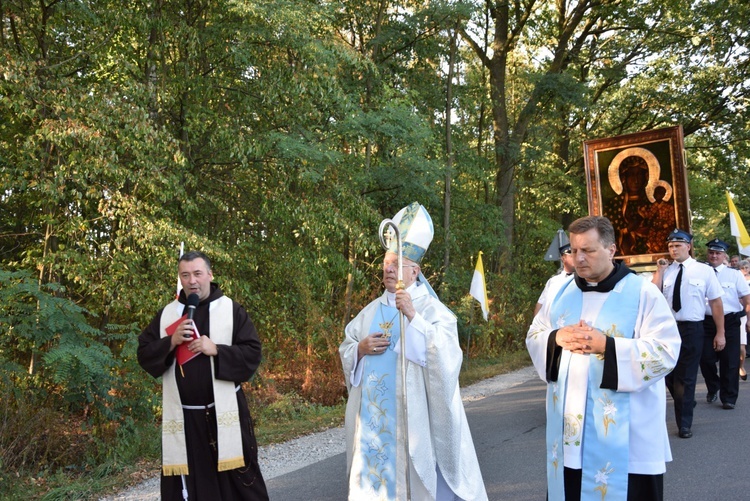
{"points": [[395, 265]]}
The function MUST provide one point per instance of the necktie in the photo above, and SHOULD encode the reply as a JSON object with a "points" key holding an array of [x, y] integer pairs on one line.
{"points": [[676, 300]]}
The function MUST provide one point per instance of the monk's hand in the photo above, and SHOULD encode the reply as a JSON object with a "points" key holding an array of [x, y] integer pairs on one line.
{"points": [[374, 344], [183, 334], [203, 345]]}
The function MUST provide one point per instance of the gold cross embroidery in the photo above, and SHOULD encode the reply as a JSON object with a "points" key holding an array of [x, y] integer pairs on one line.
{"points": [[386, 326]]}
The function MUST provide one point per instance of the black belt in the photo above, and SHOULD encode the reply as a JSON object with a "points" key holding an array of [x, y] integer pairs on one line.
{"points": [[688, 322], [729, 316], [209, 406]]}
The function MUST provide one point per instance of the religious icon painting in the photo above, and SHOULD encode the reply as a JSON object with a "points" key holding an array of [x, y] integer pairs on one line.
{"points": [[639, 182]]}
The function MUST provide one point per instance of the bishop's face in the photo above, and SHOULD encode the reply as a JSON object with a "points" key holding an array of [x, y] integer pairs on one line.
{"points": [[390, 271]]}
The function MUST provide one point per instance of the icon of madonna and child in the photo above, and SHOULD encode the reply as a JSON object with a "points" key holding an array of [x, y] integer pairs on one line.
{"points": [[640, 204]]}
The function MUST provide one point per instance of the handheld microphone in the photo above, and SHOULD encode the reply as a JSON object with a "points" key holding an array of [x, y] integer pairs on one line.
{"points": [[192, 303]]}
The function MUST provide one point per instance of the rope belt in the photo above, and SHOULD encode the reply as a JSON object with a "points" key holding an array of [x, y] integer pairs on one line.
{"points": [[209, 406]]}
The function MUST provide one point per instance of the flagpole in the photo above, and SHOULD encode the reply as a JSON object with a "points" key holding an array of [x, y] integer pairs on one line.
{"points": [[179, 284], [177, 296], [478, 287], [478, 290], [471, 321], [402, 341], [468, 340]]}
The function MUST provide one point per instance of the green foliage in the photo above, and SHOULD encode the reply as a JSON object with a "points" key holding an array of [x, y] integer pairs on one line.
{"points": [[77, 365], [77, 394]]}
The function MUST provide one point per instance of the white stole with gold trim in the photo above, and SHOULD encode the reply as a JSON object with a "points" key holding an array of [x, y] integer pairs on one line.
{"points": [[174, 451]]}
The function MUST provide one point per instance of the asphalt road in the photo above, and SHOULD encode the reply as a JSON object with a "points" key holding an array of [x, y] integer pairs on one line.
{"points": [[508, 432]]}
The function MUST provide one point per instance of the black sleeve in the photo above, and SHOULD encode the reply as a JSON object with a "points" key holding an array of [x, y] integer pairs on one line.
{"points": [[154, 352], [554, 352], [609, 377]]}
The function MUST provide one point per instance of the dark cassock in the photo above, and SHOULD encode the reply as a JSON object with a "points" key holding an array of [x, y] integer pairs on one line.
{"points": [[208, 440]]}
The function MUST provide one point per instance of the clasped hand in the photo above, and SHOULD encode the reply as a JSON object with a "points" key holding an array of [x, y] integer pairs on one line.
{"points": [[581, 338]]}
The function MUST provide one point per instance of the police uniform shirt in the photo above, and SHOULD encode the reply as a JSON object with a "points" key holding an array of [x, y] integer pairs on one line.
{"points": [[734, 287], [553, 285], [699, 283]]}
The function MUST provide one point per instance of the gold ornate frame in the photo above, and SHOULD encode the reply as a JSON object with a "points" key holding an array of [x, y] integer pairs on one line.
{"points": [[639, 182]]}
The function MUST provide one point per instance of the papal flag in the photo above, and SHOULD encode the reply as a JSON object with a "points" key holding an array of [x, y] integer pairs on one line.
{"points": [[478, 288], [738, 229]]}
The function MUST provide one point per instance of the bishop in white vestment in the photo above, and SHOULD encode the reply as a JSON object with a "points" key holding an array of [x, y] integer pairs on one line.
{"points": [[442, 461]]}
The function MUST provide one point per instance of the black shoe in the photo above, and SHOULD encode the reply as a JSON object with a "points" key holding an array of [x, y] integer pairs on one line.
{"points": [[711, 397], [728, 405], [685, 433]]}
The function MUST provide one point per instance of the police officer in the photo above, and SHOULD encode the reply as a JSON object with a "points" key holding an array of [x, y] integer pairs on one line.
{"points": [[735, 300], [555, 282], [687, 285]]}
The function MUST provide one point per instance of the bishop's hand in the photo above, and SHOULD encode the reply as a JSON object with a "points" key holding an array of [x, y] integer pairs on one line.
{"points": [[404, 304]]}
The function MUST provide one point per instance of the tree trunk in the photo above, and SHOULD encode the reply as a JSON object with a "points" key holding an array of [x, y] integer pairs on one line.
{"points": [[448, 153], [349, 285], [508, 138], [504, 158]]}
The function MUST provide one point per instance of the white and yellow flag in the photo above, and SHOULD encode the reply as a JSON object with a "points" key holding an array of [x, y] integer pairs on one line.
{"points": [[738, 229], [478, 288]]}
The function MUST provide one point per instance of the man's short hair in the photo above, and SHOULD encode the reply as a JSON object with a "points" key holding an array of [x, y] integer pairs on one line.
{"points": [[193, 255], [601, 224]]}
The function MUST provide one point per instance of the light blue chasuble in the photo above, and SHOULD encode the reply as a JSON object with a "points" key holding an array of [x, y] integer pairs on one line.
{"points": [[605, 440], [378, 412]]}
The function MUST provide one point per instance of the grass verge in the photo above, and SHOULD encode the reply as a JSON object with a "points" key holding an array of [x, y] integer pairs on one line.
{"points": [[477, 370]]}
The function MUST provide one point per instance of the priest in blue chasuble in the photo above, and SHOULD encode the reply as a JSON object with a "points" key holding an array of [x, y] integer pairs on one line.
{"points": [[442, 461], [603, 345]]}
